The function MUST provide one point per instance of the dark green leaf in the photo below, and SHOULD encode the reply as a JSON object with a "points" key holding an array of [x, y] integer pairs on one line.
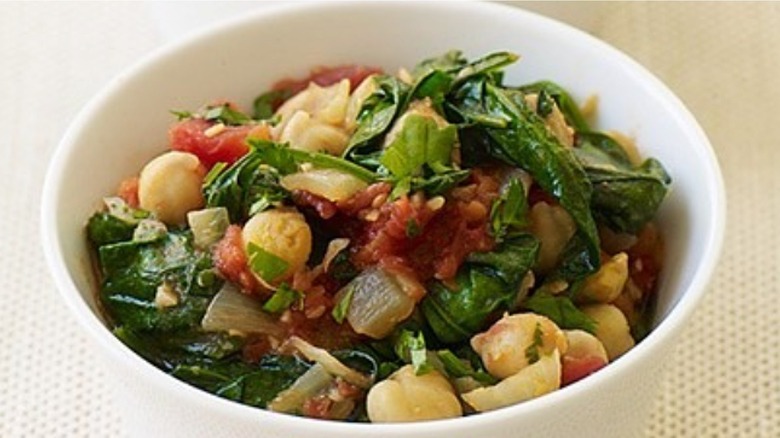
{"points": [[449, 62], [251, 384], [244, 187], [526, 142], [377, 113], [486, 284], [104, 228], [489, 63], [625, 197], [181, 347], [265, 103], [511, 260], [569, 108], [227, 115], [133, 271], [436, 184], [561, 311], [419, 143], [509, 212]]}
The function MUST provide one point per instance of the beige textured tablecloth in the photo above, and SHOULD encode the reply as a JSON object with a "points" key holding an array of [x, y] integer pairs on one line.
{"points": [[722, 59]]}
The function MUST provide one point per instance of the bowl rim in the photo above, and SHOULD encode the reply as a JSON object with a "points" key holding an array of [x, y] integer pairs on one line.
{"points": [[664, 332]]}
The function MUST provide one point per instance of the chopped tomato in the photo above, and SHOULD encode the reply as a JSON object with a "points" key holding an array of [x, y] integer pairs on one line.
{"points": [[226, 146], [128, 191], [231, 260]]}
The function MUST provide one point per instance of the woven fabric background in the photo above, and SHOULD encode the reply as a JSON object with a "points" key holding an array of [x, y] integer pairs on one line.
{"points": [[720, 58]]}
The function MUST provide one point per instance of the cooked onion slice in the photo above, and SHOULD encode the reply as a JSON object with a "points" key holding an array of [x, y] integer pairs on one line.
{"points": [[311, 383], [331, 184], [330, 363], [378, 302], [535, 380], [230, 310]]}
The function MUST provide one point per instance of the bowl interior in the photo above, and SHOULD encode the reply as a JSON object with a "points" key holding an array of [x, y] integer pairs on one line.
{"points": [[127, 124]]}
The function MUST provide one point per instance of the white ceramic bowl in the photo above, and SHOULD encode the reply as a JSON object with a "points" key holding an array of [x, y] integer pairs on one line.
{"points": [[125, 125]]}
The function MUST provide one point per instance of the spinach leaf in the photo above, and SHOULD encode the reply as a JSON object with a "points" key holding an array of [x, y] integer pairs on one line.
{"points": [[226, 114], [625, 197], [251, 184], [511, 260], [561, 311], [182, 347], [133, 272], [420, 145], [104, 228], [519, 137], [569, 108], [485, 284], [509, 212], [448, 62], [264, 104], [244, 188], [420, 157], [251, 384], [455, 367], [117, 223], [377, 113]]}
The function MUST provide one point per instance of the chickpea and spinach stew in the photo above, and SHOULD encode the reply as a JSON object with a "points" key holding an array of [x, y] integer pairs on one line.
{"points": [[372, 247]]}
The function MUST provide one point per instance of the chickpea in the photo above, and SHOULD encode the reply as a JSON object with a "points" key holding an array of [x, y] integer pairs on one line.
{"points": [[306, 133], [170, 186], [326, 104], [532, 381], [283, 233], [405, 396], [607, 283], [612, 329], [515, 341], [586, 354]]}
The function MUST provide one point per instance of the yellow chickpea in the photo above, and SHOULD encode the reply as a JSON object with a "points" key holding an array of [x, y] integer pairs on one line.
{"points": [[612, 329], [170, 186], [283, 233], [405, 396], [515, 341]]}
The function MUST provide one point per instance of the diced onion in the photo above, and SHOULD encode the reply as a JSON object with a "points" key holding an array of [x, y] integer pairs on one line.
{"points": [[208, 225], [230, 310], [311, 383], [331, 184], [330, 363], [378, 303]]}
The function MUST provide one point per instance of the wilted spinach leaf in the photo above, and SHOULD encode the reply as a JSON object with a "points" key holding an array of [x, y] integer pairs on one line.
{"points": [[133, 271], [567, 105], [265, 104], [625, 197], [486, 283], [561, 311], [252, 384], [377, 113], [519, 137]]}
